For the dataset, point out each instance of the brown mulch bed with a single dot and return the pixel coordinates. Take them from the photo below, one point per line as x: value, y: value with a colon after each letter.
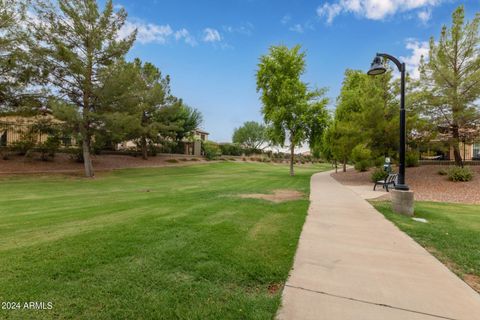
x: 427, y: 184
x: 63, y: 163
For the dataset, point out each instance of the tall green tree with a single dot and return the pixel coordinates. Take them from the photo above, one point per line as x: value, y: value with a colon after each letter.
x: 287, y: 101
x: 450, y: 79
x: 76, y: 41
x: 138, y: 93
x: 17, y: 71
x: 188, y: 119
x: 366, y: 114
x: 250, y: 135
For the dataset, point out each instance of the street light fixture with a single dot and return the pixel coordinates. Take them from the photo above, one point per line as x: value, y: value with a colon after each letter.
x: 377, y: 67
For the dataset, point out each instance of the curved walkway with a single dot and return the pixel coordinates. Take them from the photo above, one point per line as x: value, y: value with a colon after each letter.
x: 352, y: 263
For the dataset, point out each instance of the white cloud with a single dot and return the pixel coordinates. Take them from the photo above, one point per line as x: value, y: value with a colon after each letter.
x: 245, y: 29
x: 153, y: 33
x: 211, y: 35
x: 330, y: 11
x: 412, y: 62
x: 424, y: 15
x: 375, y: 9
x: 286, y: 19
x: 297, y: 28
x: 147, y: 32
x: 186, y: 36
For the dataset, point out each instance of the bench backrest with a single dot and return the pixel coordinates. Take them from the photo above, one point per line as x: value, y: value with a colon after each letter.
x: 392, y: 177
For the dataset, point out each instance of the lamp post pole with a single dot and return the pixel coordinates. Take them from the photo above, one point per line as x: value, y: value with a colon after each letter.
x: 377, y: 69
x: 403, y: 133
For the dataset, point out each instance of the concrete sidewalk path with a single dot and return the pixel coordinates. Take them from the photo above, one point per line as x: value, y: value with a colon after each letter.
x: 352, y: 263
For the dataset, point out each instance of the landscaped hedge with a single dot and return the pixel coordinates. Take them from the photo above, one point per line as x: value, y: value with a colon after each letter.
x: 211, y: 150
x: 378, y: 175
x: 231, y: 149
x: 458, y: 174
x: 361, y: 157
x: 412, y: 159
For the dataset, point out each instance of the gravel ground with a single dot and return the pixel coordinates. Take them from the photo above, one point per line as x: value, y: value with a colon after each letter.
x: 62, y: 163
x: 427, y: 184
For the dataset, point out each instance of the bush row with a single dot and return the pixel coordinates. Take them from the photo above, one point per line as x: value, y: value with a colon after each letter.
x: 363, y: 158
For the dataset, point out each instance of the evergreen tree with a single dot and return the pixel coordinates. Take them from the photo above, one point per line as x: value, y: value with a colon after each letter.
x: 17, y: 72
x: 138, y: 104
x: 76, y: 42
x: 450, y: 79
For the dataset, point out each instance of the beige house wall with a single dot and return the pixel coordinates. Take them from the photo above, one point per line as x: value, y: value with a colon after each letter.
x: 16, y: 127
x: 466, y: 151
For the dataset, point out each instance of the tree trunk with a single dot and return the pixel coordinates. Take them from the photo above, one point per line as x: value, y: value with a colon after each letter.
x: 292, y: 159
x: 144, y: 149
x: 456, y: 147
x: 457, y: 155
x: 87, y: 161
x: 344, y: 165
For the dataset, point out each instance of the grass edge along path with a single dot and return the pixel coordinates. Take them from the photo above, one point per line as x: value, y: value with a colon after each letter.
x: 451, y: 234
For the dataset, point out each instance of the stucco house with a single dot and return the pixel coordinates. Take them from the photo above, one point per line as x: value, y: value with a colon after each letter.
x: 14, y: 128
x: 468, y: 151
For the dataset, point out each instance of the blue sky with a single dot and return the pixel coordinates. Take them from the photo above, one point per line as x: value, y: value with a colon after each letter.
x: 210, y: 48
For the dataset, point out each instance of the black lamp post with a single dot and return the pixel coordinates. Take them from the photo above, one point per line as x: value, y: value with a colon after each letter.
x: 378, y: 68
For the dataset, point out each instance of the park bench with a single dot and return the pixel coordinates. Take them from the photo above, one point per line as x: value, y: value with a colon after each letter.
x: 390, y: 180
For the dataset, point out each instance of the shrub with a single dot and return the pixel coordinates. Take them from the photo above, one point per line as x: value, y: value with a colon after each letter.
x: 378, y: 174
x: 443, y: 172
x: 5, y: 154
x: 251, y: 151
x: 411, y: 159
x: 21, y: 147
x: 172, y: 161
x: 361, y: 157
x: 76, y: 154
x: 458, y: 174
x: 48, y: 148
x: 211, y: 150
x: 379, y: 162
x: 231, y: 149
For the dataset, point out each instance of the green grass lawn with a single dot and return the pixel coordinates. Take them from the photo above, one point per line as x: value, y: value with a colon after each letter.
x: 452, y: 233
x: 164, y: 243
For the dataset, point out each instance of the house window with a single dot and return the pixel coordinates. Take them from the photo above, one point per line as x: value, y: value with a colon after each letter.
x: 3, y: 139
x: 476, y: 150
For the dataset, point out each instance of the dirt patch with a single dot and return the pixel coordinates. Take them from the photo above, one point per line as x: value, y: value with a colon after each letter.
x: 427, y: 184
x: 278, y: 196
x: 473, y: 281
x: 273, y: 288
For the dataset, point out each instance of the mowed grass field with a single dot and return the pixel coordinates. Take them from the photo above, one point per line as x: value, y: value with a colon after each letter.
x: 158, y: 243
x: 452, y: 234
